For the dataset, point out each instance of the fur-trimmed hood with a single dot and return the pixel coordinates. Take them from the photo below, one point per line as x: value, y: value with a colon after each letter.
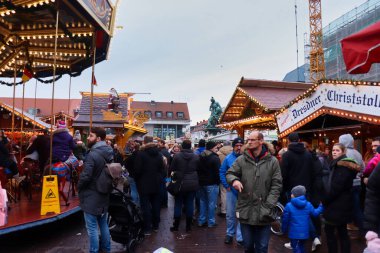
x: 151, y: 148
x: 270, y: 147
x: 349, y: 163
x: 61, y: 130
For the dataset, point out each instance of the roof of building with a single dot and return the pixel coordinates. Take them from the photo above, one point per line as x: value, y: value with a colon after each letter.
x: 254, y: 96
x: 163, y: 107
x: 44, y: 104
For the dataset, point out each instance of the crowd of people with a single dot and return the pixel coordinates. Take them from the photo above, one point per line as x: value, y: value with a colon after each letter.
x: 243, y: 180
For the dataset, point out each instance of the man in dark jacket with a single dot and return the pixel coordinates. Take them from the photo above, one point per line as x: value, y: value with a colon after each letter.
x: 299, y: 168
x: 166, y: 154
x: 149, y: 173
x: 208, y: 174
x: 185, y: 165
x: 42, y: 145
x: 93, y: 203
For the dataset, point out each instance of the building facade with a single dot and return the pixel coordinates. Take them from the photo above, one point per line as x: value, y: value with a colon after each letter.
x: 167, y: 120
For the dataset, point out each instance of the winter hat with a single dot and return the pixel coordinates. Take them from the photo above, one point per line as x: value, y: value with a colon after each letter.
x: 201, y: 143
x: 298, y: 190
x: 378, y: 149
x: 373, y: 242
x: 293, y: 137
x: 237, y: 140
x: 210, y: 145
x: 61, y: 124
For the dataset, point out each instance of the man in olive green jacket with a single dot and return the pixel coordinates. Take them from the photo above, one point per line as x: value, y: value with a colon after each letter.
x: 256, y: 175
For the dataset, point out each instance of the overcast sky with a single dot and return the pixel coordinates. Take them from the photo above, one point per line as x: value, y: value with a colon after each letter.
x: 188, y: 51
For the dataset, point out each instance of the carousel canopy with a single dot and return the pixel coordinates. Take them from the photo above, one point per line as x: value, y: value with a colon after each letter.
x: 27, y: 35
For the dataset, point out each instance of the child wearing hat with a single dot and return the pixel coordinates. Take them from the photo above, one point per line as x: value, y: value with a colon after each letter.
x: 296, y: 218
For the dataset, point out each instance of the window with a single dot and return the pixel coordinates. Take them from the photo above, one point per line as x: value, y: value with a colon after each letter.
x: 169, y: 114
x: 158, y: 114
x: 180, y: 115
x: 148, y: 113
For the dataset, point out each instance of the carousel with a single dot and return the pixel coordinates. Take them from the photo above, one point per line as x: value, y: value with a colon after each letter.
x: 42, y: 40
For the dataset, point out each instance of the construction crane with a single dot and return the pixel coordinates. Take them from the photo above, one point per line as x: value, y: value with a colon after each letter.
x: 317, y: 60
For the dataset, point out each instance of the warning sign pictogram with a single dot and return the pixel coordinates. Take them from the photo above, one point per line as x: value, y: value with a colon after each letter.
x: 50, y: 196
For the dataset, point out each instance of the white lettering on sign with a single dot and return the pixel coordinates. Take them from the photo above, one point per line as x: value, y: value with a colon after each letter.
x: 363, y: 99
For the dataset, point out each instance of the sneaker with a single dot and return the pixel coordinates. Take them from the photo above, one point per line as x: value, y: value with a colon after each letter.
x: 228, y: 239
x: 240, y: 243
x: 212, y: 225
x: 201, y: 225
x: 288, y: 245
x: 315, y: 244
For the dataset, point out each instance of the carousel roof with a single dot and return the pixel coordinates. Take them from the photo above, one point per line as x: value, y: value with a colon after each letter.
x: 27, y: 35
x: 27, y: 116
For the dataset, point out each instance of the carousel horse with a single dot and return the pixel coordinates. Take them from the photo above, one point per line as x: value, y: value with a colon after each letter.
x: 30, y: 168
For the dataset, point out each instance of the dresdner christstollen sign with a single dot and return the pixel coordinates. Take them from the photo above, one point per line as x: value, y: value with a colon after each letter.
x: 363, y: 99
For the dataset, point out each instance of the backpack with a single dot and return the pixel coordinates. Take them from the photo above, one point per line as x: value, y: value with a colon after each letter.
x: 108, y: 177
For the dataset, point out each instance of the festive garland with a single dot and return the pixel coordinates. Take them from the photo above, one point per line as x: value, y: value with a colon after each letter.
x: 44, y: 81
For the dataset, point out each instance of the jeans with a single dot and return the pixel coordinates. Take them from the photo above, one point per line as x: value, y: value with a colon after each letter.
x: 298, y: 245
x: 256, y: 238
x: 163, y: 193
x: 151, y: 207
x: 92, y: 224
x: 332, y: 241
x: 134, y: 193
x: 208, y: 195
x: 231, y: 219
x: 188, y: 200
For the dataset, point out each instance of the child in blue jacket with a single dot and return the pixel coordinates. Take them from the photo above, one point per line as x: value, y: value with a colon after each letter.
x: 296, y: 218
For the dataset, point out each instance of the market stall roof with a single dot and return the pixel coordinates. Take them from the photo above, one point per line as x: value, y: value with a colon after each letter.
x: 27, y: 116
x: 43, y: 105
x: 254, y: 98
x: 27, y: 35
x: 100, y: 114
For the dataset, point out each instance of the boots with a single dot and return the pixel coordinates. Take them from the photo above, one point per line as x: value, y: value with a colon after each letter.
x: 175, y: 224
x: 189, y: 220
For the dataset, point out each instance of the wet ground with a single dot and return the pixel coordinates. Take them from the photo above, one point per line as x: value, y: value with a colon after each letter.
x: 69, y: 236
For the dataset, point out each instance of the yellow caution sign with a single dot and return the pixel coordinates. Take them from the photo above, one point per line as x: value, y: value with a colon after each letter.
x: 50, y: 196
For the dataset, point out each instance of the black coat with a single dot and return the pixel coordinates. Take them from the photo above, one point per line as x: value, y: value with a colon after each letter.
x: 4, y: 155
x: 42, y: 145
x: 208, y: 172
x: 338, y: 203
x: 186, y: 164
x: 372, y: 202
x: 149, y: 169
x: 297, y: 168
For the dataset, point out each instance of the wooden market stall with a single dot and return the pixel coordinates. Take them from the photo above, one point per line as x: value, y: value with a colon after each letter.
x: 121, y: 123
x: 331, y: 108
x: 254, y: 103
x: 44, y: 40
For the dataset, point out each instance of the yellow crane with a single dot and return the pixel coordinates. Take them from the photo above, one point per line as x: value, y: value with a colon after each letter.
x: 317, y: 60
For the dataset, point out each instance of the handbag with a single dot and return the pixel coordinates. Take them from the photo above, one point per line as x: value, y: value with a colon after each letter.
x: 175, y: 184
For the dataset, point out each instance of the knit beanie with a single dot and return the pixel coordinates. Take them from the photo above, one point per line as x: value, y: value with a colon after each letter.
x: 61, y: 124
x: 202, y: 143
x: 293, y: 137
x: 210, y: 145
x: 237, y: 140
x: 298, y: 190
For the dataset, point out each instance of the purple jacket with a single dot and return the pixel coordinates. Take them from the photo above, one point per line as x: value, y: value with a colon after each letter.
x: 63, y: 145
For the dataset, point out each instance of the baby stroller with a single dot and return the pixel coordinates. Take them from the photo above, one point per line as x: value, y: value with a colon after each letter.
x: 125, y: 220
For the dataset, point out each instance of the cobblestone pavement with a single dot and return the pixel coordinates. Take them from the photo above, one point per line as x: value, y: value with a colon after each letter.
x: 69, y: 235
